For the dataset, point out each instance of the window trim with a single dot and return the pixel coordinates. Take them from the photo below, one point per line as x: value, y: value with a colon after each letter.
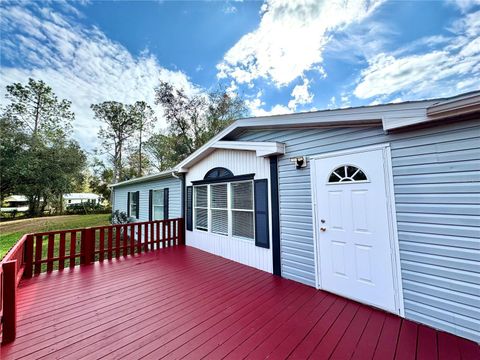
x: 237, y: 178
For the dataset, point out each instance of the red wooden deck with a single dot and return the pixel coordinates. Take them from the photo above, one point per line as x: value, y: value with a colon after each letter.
x: 185, y: 303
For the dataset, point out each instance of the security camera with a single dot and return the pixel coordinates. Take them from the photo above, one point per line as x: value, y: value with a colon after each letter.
x: 300, y: 161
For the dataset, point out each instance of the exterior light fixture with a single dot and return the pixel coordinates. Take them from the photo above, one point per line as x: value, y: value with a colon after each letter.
x: 300, y: 161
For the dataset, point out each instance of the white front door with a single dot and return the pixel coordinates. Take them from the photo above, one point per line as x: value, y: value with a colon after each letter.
x: 354, y: 247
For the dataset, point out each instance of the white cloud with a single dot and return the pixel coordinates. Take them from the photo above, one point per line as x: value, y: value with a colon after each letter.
x: 290, y: 39
x: 435, y: 72
x: 301, y: 95
x: 465, y: 5
x: 274, y: 110
x: 81, y: 64
x: 255, y: 107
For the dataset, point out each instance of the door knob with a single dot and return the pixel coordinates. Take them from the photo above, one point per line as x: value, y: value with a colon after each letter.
x: 323, y: 228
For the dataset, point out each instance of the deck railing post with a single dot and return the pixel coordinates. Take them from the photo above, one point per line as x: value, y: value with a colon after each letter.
x: 28, y: 257
x: 9, y: 318
x: 180, y: 232
x: 87, y: 246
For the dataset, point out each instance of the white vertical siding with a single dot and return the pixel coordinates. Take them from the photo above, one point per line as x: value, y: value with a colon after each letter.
x: 437, y: 193
x: 240, y: 250
x: 174, y: 185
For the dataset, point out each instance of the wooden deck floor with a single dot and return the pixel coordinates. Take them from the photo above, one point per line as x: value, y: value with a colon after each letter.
x: 185, y: 303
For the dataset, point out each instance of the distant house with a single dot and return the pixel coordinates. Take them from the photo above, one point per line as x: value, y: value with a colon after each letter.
x: 380, y: 204
x: 17, y: 203
x: 80, y: 198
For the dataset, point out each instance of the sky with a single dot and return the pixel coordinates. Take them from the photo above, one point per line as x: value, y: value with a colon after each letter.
x: 281, y: 56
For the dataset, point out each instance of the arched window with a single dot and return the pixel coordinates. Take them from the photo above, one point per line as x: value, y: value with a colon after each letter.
x: 218, y: 173
x: 347, y: 173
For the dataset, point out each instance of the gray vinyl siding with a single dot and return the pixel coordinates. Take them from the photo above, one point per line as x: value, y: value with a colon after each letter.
x: 436, y: 174
x: 174, y: 196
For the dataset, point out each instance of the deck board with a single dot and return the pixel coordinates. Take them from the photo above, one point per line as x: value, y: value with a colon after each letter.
x: 184, y: 303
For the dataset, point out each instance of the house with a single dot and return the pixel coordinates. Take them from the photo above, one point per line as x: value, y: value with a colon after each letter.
x: 151, y: 197
x: 380, y: 204
x: 80, y: 198
x: 15, y: 203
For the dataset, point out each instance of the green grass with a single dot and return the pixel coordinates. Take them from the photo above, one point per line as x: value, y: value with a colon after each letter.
x: 12, y: 231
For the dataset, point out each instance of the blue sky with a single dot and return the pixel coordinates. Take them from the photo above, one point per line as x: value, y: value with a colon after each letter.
x: 281, y: 55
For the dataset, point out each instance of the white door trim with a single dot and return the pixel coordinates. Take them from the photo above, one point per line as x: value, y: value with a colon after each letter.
x: 351, y: 151
x: 391, y: 213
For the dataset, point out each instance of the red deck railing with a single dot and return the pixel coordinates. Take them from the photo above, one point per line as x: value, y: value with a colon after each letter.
x: 57, y: 250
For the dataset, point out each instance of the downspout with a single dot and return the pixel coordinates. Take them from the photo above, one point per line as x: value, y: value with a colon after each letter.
x: 182, y: 200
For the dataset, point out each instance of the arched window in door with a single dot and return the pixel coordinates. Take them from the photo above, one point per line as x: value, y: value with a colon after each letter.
x: 347, y: 173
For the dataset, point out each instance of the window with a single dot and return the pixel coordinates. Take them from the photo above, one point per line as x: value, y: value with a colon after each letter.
x: 133, y: 199
x: 225, y: 209
x: 157, y: 204
x: 242, y: 210
x: 219, y: 208
x: 201, y: 207
x: 347, y: 173
x: 218, y: 172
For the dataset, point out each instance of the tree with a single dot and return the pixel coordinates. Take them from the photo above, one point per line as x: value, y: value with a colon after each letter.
x: 38, y: 158
x: 13, y: 143
x: 132, y: 164
x: 50, y: 172
x: 144, y: 119
x: 192, y: 120
x: 222, y: 110
x: 38, y: 111
x: 118, y: 127
x: 161, y: 148
x: 100, y: 179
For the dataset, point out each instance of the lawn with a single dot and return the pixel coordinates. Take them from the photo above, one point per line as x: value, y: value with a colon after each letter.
x: 12, y: 231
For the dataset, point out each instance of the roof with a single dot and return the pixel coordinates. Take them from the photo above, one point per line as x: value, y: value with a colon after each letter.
x: 83, y: 196
x: 159, y: 175
x: 17, y: 198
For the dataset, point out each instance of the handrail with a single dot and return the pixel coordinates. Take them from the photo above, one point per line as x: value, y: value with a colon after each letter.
x: 29, y: 257
x: 12, y: 268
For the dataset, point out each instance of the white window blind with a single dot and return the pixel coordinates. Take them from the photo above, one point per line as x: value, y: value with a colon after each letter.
x: 225, y: 209
x: 133, y: 204
x: 242, y: 209
x: 201, y: 207
x: 157, y: 203
x: 219, y: 208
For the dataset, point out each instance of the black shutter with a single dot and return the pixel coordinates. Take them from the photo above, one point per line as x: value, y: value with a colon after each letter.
x: 276, y: 257
x: 137, y: 200
x: 128, y: 204
x: 150, y: 205
x: 261, y: 214
x: 165, y: 203
x: 190, y: 208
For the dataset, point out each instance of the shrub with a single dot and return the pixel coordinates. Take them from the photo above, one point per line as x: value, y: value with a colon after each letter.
x: 120, y: 217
